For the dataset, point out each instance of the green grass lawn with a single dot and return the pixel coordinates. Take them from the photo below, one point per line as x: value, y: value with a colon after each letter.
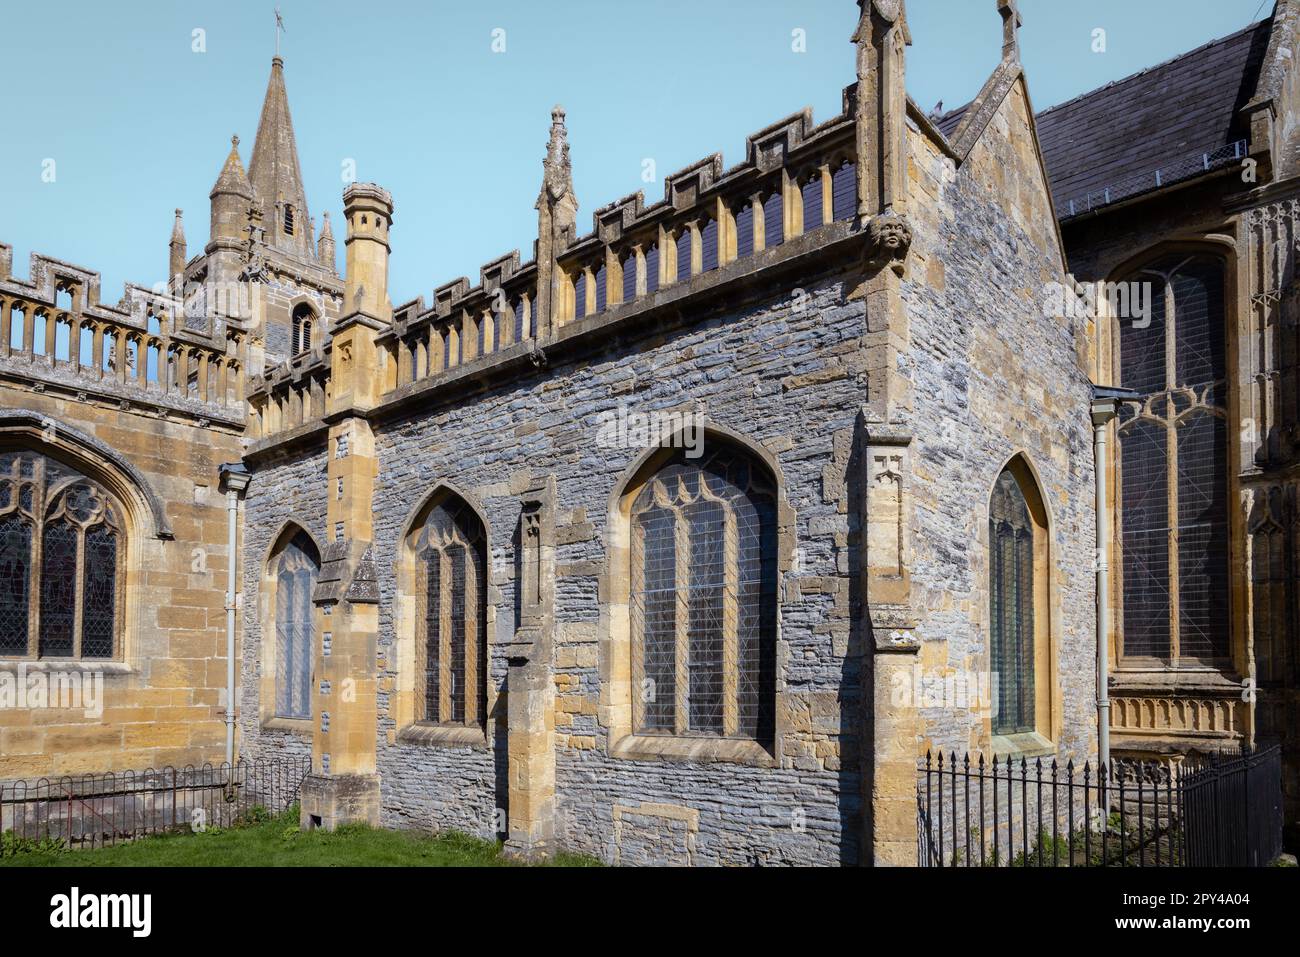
x: 277, y: 842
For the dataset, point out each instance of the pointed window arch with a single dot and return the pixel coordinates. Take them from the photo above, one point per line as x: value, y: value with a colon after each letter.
x: 304, y: 318
x: 1013, y: 614
x: 1173, y: 534
x: 450, y: 548
x: 295, y: 568
x: 62, y: 561
x: 703, y: 597
x: 1021, y: 647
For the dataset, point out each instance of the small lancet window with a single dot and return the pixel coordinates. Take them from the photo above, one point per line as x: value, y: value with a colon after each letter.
x: 303, y: 317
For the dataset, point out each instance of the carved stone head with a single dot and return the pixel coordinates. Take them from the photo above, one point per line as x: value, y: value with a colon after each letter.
x: 890, y: 239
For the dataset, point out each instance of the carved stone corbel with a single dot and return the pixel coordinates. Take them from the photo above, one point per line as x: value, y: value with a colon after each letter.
x: 889, y: 239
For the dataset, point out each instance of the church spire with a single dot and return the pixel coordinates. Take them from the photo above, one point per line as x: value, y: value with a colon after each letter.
x: 275, y: 173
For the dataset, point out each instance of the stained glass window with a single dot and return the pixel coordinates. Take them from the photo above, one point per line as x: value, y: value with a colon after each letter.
x: 61, y: 551
x: 296, y: 569
x: 1012, y: 592
x: 703, y: 599
x: 451, y: 557
x: 1173, y: 462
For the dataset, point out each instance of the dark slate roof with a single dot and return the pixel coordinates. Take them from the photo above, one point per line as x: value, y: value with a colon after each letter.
x: 1117, y: 136
x: 949, y: 122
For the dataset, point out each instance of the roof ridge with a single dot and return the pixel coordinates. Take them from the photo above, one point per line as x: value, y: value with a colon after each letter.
x: 1157, y: 66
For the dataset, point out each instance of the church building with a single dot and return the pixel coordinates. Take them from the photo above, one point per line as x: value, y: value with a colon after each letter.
x: 681, y: 536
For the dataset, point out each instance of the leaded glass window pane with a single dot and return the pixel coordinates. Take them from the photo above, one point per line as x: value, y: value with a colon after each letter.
x: 654, y: 612
x: 451, y: 549
x: 58, y: 590
x: 703, y: 599
x: 99, y: 600
x: 1173, y: 467
x: 1012, y: 591
x: 297, y: 570
x: 61, y: 549
x: 15, y: 583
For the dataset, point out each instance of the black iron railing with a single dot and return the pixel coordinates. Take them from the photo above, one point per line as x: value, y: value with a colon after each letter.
x: 93, y: 810
x: 1005, y: 812
x: 1233, y: 810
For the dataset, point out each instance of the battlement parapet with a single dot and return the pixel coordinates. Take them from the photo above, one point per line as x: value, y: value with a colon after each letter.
x: 797, y: 180
x: 55, y: 331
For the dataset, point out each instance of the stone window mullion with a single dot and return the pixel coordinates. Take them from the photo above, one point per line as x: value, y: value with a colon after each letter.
x: 421, y: 676
x: 444, y: 635
x: 38, y: 561
x: 730, y: 626
x: 1171, y: 471
x: 78, y: 590
x: 470, y: 657
x: 682, y: 646
x: 638, y: 629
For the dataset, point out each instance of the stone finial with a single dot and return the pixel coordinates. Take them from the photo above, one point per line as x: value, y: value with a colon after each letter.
x: 176, y: 249
x: 1011, y: 23
x: 890, y: 11
x: 558, y: 169
x: 325, y: 245
x: 881, y: 38
x: 233, y: 179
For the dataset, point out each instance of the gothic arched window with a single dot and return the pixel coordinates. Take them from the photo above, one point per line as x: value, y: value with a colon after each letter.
x: 1012, y: 594
x: 62, y: 561
x: 1173, y: 467
x: 296, y: 568
x: 303, y: 317
x: 703, y: 598
x: 451, y: 618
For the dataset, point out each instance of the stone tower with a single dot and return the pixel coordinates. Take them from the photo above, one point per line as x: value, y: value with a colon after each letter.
x: 271, y: 276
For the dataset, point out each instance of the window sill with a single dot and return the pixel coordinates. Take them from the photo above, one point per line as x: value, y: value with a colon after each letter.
x: 653, y: 747
x: 303, y: 726
x: 443, y: 736
x: 79, y: 666
x: 1137, y: 679
x: 1026, y: 744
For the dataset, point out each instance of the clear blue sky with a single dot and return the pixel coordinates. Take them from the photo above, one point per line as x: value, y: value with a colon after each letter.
x: 138, y: 123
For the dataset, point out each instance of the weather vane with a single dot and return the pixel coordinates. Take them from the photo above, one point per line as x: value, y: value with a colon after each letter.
x: 279, y: 28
